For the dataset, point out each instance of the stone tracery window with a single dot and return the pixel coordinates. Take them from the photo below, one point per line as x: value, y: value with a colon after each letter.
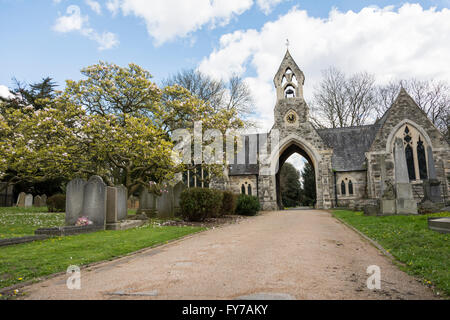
x: 415, y: 152
x: 197, y: 177
x: 346, y: 186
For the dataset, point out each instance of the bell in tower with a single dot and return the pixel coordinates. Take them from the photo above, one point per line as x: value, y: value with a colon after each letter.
x: 291, y: 108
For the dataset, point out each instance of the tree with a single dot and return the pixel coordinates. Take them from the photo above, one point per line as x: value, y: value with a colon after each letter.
x: 308, y: 190
x: 341, y: 101
x: 33, y: 94
x: 432, y: 96
x: 290, y: 185
x: 116, y: 123
x: 221, y: 95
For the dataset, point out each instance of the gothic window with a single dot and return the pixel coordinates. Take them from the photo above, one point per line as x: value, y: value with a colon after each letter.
x: 243, y: 189
x: 284, y: 81
x: 289, y: 92
x: 422, y: 160
x: 415, y: 152
x: 350, y: 187
x: 410, y: 162
x: 294, y: 80
x: 343, y: 188
x: 288, y: 71
x: 249, y: 188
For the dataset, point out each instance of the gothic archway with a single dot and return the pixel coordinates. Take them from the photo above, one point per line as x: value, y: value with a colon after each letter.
x: 284, y: 155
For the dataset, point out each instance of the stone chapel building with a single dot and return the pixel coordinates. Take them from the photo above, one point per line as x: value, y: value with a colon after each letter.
x: 351, y: 164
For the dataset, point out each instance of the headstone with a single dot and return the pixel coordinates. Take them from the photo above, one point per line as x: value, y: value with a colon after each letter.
x: 111, y: 205
x: 44, y: 200
x: 431, y: 186
x: 37, y: 202
x: 74, y: 200
x: 165, y: 203
x: 370, y: 210
x: 177, y: 189
x: 147, y: 203
x: 28, y: 201
x: 405, y: 202
x: 122, y: 195
x: 94, y: 202
x: 21, y: 199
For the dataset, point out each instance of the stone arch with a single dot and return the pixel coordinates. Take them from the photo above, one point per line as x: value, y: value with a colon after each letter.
x: 288, y: 146
x: 394, y: 131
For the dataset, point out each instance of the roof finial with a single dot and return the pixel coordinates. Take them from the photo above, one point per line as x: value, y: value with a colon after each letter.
x: 287, y: 44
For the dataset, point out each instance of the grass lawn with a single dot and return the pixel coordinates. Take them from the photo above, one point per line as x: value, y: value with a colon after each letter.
x: 28, y: 261
x: 425, y: 253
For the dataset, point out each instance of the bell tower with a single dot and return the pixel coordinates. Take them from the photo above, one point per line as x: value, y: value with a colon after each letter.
x: 291, y: 108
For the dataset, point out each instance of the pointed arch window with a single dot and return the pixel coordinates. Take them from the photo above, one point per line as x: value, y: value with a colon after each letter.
x: 350, y: 187
x: 249, y: 189
x: 343, y: 187
x: 421, y: 158
x: 415, y: 152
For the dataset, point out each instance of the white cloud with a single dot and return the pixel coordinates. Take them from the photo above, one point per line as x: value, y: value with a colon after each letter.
x: 75, y: 21
x: 267, y: 6
x: 95, y: 6
x: 390, y: 43
x: 168, y: 19
x: 5, y: 93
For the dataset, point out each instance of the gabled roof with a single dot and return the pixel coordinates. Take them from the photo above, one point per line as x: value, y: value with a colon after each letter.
x: 288, y: 62
x: 349, y: 145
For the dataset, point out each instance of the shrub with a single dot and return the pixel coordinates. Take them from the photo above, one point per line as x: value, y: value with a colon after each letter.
x: 56, y: 203
x: 247, y: 205
x: 229, y: 203
x: 198, y: 204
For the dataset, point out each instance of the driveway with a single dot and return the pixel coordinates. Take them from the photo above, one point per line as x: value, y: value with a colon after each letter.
x: 293, y: 254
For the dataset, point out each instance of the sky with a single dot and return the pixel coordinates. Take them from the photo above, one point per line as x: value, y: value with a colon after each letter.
x: 391, y: 39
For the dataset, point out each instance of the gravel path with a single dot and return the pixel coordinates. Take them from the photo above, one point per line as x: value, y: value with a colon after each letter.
x: 295, y: 254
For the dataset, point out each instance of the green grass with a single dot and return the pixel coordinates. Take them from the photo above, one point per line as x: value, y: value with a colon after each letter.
x: 28, y: 261
x: 424, y: 252
x: 19, y: 222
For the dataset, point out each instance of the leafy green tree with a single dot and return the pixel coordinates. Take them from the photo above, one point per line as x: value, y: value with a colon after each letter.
x: 290, y: 185
x: 115, y: 123
x: 308, y: 190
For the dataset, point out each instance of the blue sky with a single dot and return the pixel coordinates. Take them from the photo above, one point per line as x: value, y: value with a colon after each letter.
x: 390, y: 39
x: 32, y: 49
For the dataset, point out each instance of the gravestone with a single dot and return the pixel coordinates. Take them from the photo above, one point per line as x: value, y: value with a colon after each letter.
x: 404, y: 203
x: 28, y: 201
x: 111, y: 205
x: 21, y: 199
x: 165, y: 204
x: 37, y: 202
x: 122, y: 210
x: 44, y: 200
x: 431, y: 186
x: 74, y: 200
x: 177, y: 189
x: 133, y: 202
x: 94, y: 201
x: 147, y: 203
x: 387, y: 203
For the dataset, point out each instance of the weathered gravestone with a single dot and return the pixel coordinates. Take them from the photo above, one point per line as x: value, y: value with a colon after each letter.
x: 74, y: 200
x: 111, y: 205
x: 177, y: 189
x: 44, y: 200
x: 122, y: 195
x: 37, y: 202
x: 387, y: 203
x: 431, y: 186
x: 147, y: 203
x: 28, y: 201
x: 94, y: 202
x: 404, y: 203
x: 21, y: 199
x: 165, y: 203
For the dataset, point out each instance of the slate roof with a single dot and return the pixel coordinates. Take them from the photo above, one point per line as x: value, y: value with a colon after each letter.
x: 349, y: 145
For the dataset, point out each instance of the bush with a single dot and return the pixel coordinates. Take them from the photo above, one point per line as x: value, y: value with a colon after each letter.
x: 56, y: 203
x: 198, y: 204
x: 229, y: 203
x: 247, y: 205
